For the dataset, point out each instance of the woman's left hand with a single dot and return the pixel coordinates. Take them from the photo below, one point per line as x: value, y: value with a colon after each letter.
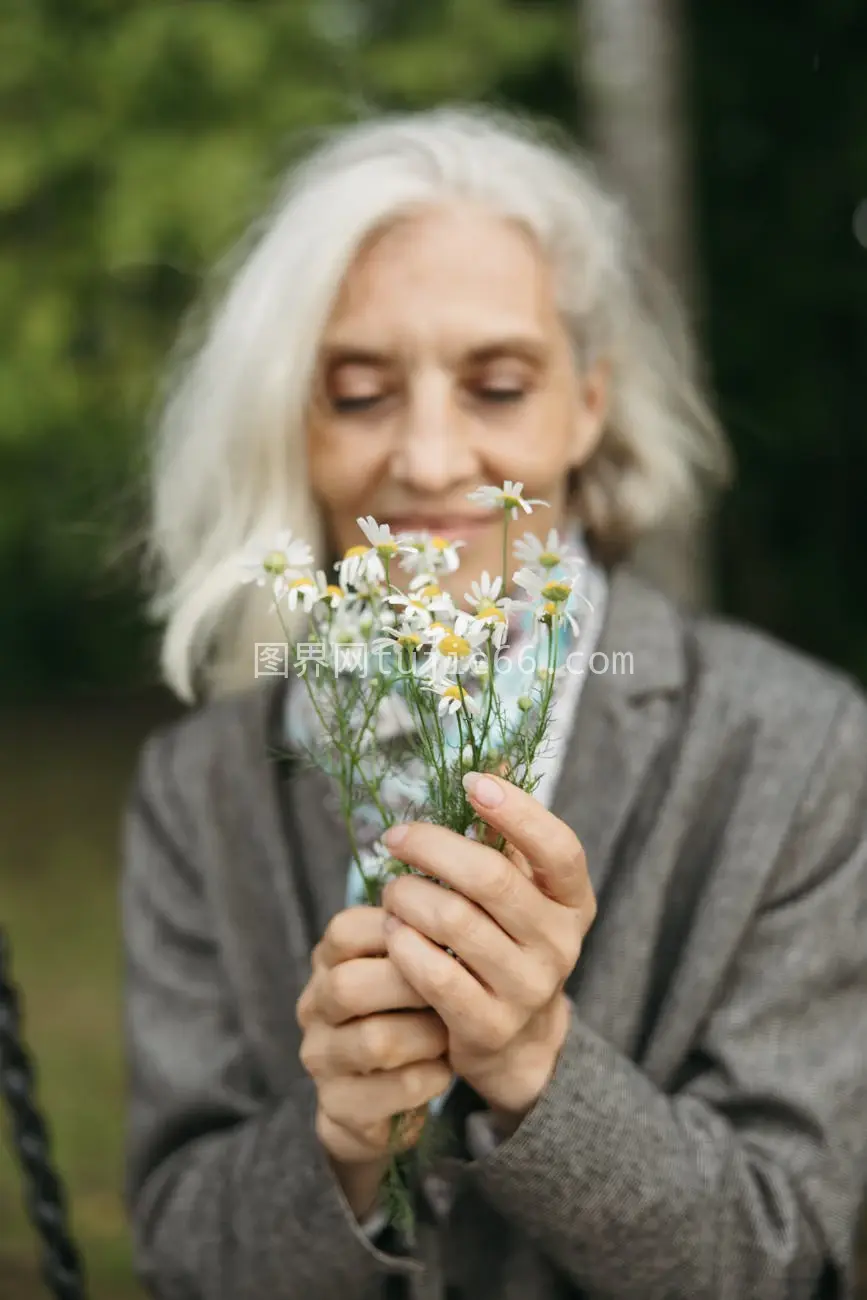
x: 515, y: 919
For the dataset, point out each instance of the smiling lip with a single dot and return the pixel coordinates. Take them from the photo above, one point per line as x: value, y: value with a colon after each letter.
x: 451, y: 527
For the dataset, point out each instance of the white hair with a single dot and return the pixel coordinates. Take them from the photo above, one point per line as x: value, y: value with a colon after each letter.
x: 229, y: 463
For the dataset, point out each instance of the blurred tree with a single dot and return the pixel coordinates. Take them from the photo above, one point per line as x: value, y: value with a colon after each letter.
x: 781, y: 117
x: 633, y: 75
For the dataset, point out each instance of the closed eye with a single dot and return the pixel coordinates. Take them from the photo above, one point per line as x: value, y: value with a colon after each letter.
x: 348, y: 405
x: 501, y: 395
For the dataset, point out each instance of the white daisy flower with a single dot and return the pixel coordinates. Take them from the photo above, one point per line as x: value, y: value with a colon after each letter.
x: 542, y: 587
x: 346, y: 627
x: 273, y: 564
x: 545, y: 615
x: 548, y: 555
x: 403, y: 635
x: 376, y: 863
x: 380, y: 537
x: 425, y: 553
x: 436, y: 630
x: 453, y: 697
x: 359, y: 565
x: 419, y: 611
x: 490, y: 609
x: 508, y: 497
x: 302, y: 591
x: 367, y: 564
x: 484, y: 592
x: 454, y: 651
x: 327, y: 591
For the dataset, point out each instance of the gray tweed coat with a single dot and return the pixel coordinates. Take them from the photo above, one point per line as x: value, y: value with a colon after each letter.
x: 704, y: 1135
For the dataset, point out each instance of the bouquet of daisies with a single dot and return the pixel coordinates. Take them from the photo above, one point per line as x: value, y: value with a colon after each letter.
x: 402, y: 689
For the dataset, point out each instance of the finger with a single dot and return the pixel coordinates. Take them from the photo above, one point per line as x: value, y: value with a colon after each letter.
x: 479, y: 873
x: 464, y: 1005
x: 364, y: 1101
x: 488, y: 835
x: 385, y: 1042
x: 549, y: 845
x: 362, y: 987
x: 354, y: 1146
x: 452, y: 921
x: 353, y: 932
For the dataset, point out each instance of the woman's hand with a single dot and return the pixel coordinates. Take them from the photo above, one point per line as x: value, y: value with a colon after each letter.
x: 359, y: 1016
x: 516, y: 920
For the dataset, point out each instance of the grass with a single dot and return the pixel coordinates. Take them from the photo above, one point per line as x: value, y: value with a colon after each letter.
x: 64, y: 774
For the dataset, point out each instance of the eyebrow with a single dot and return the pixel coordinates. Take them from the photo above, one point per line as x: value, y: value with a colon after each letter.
x: 530, y: 348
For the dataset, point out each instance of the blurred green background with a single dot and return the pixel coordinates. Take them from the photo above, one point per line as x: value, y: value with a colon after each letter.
x: 137, y: 141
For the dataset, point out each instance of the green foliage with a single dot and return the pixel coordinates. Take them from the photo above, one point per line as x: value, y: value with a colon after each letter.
x: 140, y: 138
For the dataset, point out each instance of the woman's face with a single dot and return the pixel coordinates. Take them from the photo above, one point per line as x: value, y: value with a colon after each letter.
x: 445, y: 366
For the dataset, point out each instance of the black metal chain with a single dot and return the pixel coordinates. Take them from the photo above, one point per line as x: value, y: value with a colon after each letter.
x: 62, y: 1269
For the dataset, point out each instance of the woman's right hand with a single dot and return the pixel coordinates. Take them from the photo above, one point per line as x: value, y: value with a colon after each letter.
x: 373, y: 1048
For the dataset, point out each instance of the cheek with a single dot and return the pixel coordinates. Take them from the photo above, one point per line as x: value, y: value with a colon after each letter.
x: 343, y: 469
x: 537, y: 452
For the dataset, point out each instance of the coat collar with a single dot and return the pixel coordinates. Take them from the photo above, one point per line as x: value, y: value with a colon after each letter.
x: 619, y: 725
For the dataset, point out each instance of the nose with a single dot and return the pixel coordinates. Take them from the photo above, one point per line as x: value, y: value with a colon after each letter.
x: 433, y: 448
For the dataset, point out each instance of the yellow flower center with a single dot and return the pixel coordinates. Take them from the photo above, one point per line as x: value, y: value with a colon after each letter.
x: 454, y: 646
x: 439, y: 543
x: 453, y: 693
x: 431, y: 590
x: 489, y: 610
x: 549, y: 560
x: 386, y: 549
x: 409, y: 640
x: 275, y: 562
x: 557, y: 591
x: 301, y: 582
x: 549, y: 611
x: 438, y: 627
x: 336, y: 592
x: 354, y: 552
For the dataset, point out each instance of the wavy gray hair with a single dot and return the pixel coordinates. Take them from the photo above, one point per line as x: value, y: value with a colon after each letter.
x: 229, y: 450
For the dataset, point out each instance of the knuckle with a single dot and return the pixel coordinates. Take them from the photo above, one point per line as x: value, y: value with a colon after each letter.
x: 453, y: 910
x: 502, y: 880
x: 420, y: 1084
x: 573, y: 854
x: 337, y: 933
x: 589, y: 910
x: 304, y: 1008
x: 441, y: 978
x: 377, y: 1044
x: 565, y: 953
x: 341, y: 988
x: 537, y: 985
x: 311, y: 1056
x: 495, y: 1034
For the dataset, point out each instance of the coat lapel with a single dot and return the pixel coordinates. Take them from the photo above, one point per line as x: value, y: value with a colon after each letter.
x: 621, y: 719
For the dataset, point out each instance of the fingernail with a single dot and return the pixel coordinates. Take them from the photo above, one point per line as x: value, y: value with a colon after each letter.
x: 392, y: 922
x: 483, y: 790
x: 393, y: 836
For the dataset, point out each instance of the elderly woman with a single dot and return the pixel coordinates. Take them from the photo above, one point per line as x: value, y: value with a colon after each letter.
x: 653, y: 1007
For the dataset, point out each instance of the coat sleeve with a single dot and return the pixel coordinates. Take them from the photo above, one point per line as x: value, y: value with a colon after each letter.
x: 230, y: 1192
x: 746, y: 1185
